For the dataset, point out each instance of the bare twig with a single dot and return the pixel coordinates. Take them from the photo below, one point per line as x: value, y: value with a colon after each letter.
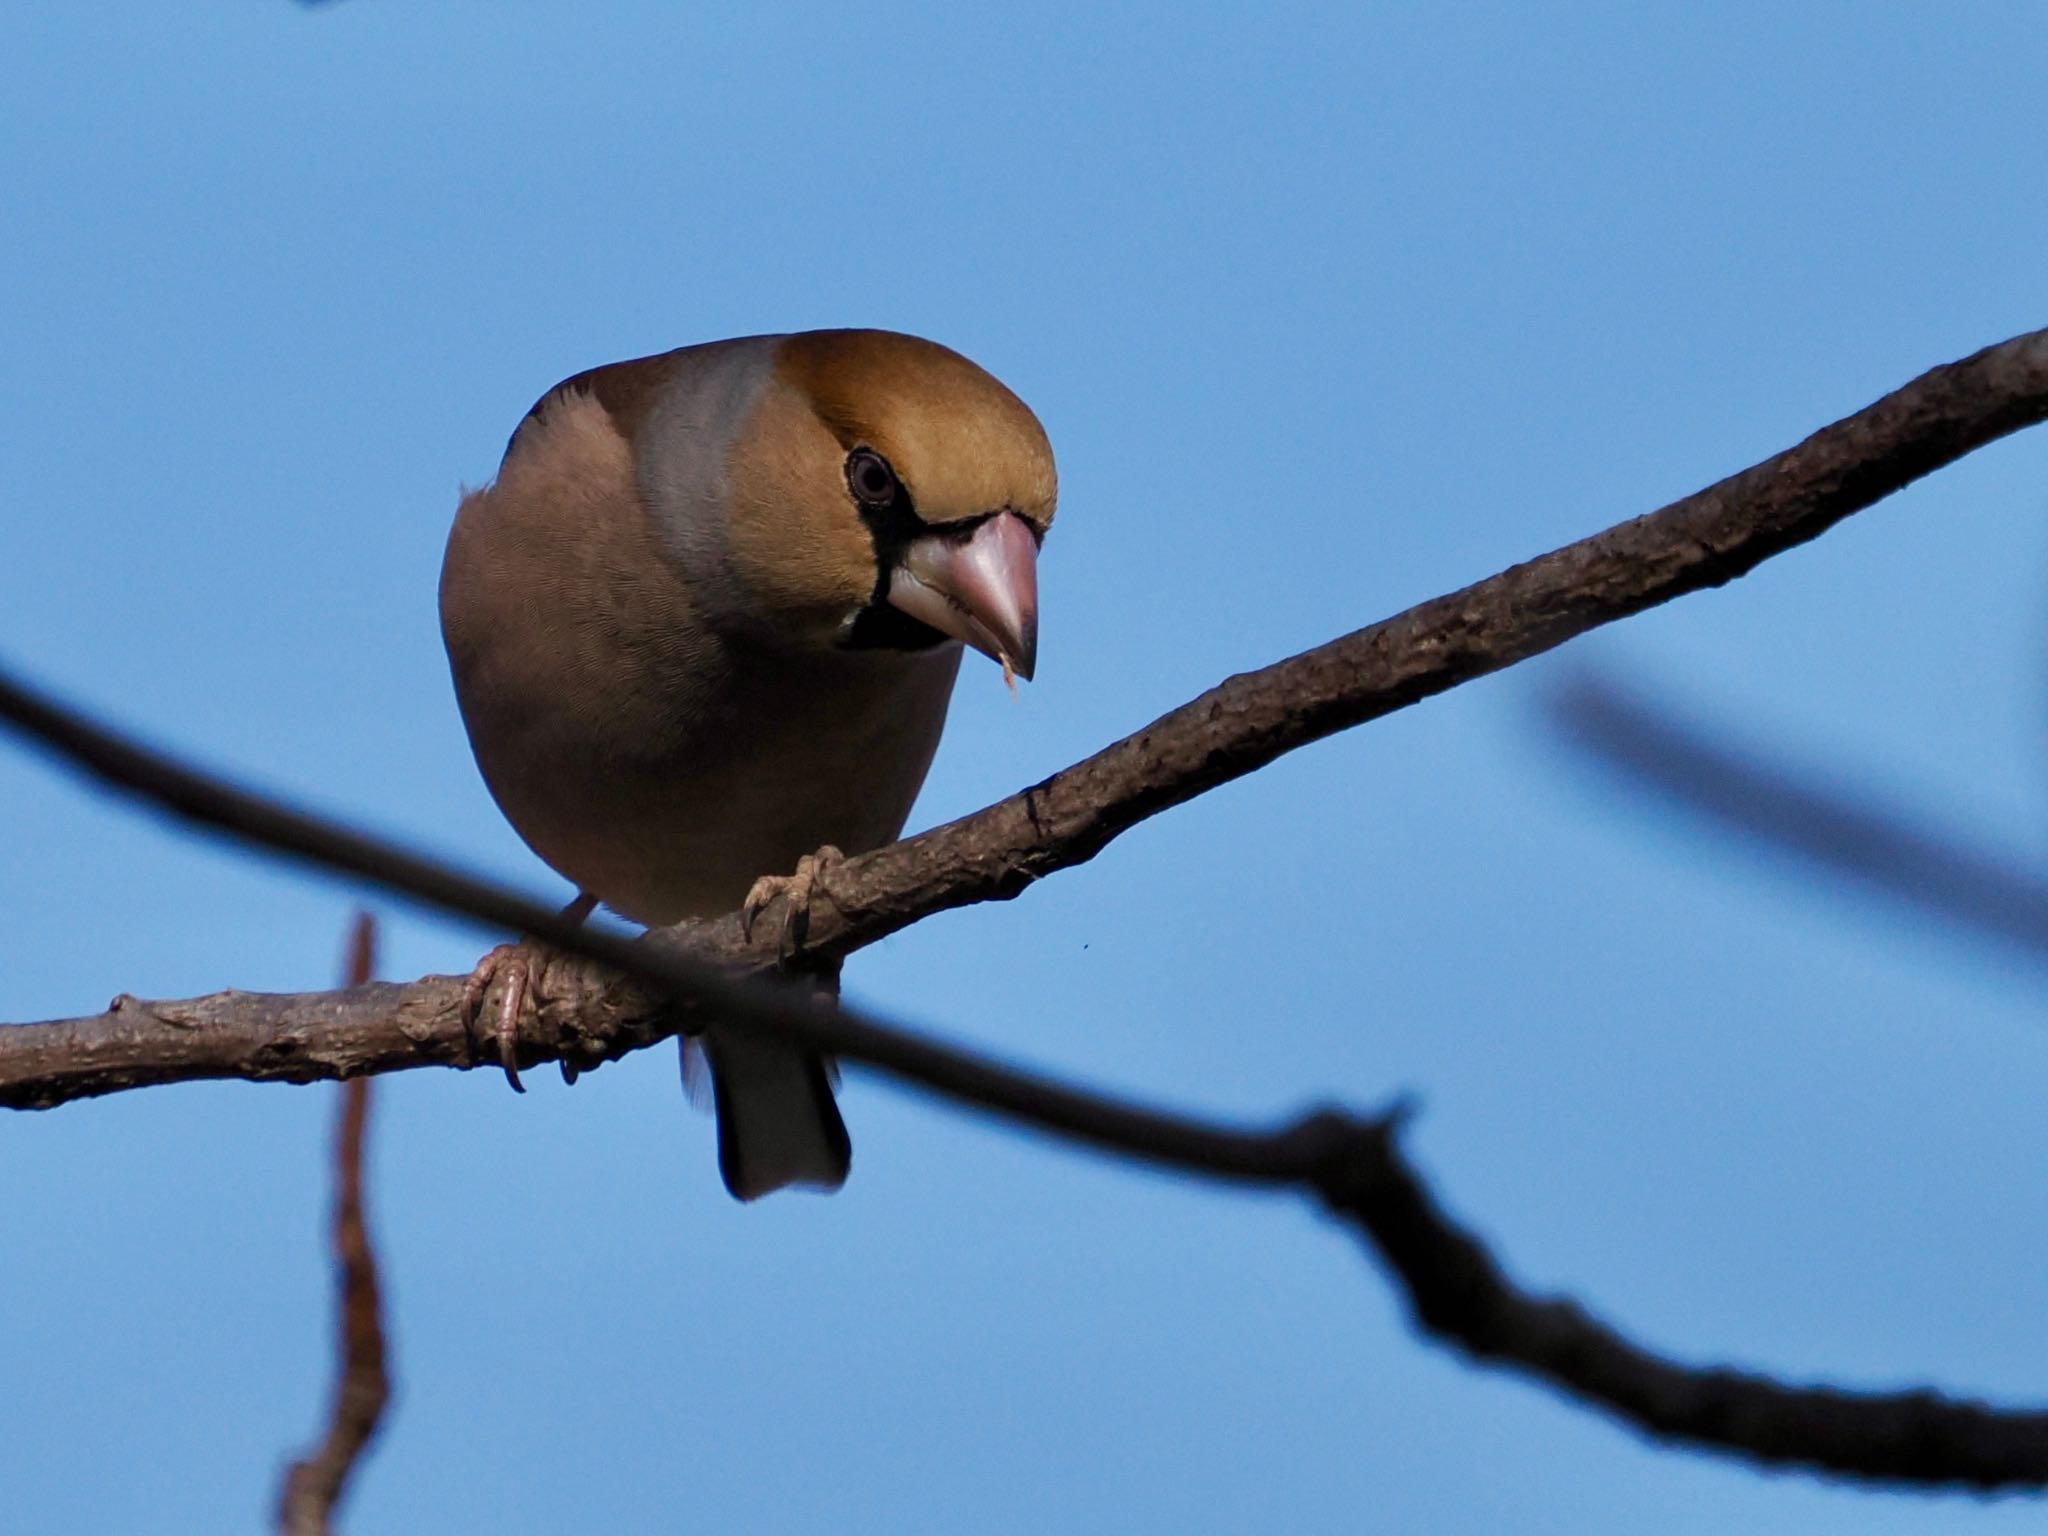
x: 1706, y: 539
x: 1773, y: 807
x: 1457, y: 1291
x: 314, y: 1485
x: 1455, y: 1287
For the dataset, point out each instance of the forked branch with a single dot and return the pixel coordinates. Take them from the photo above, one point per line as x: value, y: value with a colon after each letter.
x: 1456, y: 1289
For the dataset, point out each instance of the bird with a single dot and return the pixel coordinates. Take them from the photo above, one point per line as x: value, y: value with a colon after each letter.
x: 704, y: 626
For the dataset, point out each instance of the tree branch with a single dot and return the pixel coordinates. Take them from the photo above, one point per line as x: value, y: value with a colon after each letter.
x: 1704, y: 540
x: 1457, y: 1291
x: 1455, y: 1287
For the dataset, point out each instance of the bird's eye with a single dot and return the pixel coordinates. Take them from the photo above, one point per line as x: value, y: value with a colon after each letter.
x: 870, y: 478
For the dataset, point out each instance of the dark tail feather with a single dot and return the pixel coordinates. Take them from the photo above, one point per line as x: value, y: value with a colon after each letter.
x: 778, y: 1123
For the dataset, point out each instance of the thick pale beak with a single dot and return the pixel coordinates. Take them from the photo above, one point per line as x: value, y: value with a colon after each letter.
x: 982, y: 588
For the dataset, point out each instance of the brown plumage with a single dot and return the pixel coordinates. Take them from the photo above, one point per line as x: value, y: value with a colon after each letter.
x: 707, y: 619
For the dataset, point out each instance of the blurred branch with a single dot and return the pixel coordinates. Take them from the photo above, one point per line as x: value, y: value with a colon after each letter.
x: 313, y: 1486
x: 1455, y: 1288
x: 1881, y: 849
x: 1232, y: 730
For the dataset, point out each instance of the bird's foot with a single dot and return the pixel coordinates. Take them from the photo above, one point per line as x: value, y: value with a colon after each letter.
x: 800, y: 889
x: 517, y: 971
x: 513, y: 972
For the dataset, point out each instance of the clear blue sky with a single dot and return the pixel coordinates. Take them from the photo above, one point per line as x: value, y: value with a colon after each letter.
x: 1327, y: 309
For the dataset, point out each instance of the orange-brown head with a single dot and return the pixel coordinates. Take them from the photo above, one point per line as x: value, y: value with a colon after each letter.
x: 856, y: 489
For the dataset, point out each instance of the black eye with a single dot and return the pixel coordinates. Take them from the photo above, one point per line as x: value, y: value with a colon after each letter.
x: 870, y: 478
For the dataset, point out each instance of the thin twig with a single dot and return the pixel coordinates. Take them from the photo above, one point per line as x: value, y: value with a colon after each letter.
x: 313, y: 1486
x: 1457, y: 1291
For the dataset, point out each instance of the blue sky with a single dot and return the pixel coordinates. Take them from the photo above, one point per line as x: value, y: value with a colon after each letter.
x: 1327, y: 309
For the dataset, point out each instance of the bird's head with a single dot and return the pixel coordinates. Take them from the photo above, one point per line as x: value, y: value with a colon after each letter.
x: 855, y: 489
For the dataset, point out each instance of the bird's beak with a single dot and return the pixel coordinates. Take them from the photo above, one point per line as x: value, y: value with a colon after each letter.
x: 982, y: 588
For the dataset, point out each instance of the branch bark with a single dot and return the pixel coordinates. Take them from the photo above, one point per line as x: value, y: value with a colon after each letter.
x: 1456, y: 1289
x: 1702, y: 541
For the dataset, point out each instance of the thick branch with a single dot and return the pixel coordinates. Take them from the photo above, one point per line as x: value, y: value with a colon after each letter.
x: 1455, y: 1287
x: 1247, y: 721
x: 1241, y: 725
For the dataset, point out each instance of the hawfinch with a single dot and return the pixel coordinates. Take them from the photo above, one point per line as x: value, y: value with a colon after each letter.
x: 704, y: 626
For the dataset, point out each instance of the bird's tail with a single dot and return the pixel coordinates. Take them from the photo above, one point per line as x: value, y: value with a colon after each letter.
x: 778, y: 1123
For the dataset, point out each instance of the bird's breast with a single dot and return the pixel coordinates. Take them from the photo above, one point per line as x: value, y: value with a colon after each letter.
x: 718, y: 781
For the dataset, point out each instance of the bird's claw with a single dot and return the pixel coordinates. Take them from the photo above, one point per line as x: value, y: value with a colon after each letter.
x: 520, y: 967
x: 800, y: 888
x: 515, y: 970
